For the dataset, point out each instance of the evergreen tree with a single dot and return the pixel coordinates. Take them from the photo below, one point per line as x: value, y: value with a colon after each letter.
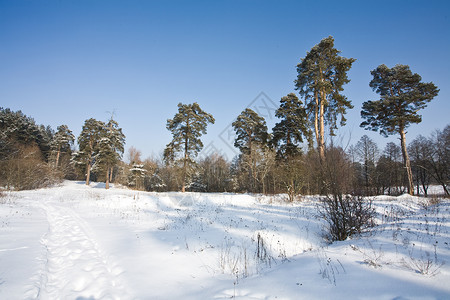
x: 61, y: 143
x: 251, y: 139
x: 110, y: 149
x: 187, y: 126
x: 322, y: 74
x: 24, y: 150
x: 286, y: 138
x: 288, y: 133
x: 250, y: 129
x: 136, y: 177
x: 402, y: 95
x: 88, y: 141
x: 18, y: 129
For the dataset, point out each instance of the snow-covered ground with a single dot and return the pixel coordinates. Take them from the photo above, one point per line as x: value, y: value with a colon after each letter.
x: 84, y: 242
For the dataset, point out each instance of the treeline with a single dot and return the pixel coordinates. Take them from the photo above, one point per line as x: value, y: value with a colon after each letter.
x: 362, y: 169
x: 34, y: 156
x: 294, y: 158
x: 27, y: 151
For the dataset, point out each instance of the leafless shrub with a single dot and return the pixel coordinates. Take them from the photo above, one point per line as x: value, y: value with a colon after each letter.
x: 26, y: 170
x: 345, y: 215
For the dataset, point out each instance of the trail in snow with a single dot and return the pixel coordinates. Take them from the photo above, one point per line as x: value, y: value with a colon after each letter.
x: 75, y: 266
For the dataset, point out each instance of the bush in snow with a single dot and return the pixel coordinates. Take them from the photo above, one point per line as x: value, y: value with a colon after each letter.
x: 345, y: 215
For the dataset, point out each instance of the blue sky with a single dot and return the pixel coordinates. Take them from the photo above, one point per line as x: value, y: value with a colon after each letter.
x: 62, y: 62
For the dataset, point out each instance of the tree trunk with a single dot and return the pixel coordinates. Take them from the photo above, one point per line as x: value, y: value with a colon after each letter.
x: 88, y: 172
x: 319, y: 126
x: 57, y: 157
x: 250, y: 164
x: 322, y: 127
x: 183, y: 187
x: 111, y: 174
x: 107, y: 178
x: 407, y: 162
x: 88, y: 169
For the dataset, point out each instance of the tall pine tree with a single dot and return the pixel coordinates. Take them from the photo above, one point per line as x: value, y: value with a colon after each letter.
x: 402, y: 95
x: 286, y: 138
x: 252, y: 140
x: 187, y: 126
x: 322, y: 74
x: 88, y: 140
x: 61, y: 143
x: 110, y: 149
x: 250, y: 129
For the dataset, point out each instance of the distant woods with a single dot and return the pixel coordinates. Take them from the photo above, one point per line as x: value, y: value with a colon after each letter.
x: 294, y: 157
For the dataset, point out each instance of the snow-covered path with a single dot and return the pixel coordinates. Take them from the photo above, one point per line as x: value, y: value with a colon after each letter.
x: 75, y: 265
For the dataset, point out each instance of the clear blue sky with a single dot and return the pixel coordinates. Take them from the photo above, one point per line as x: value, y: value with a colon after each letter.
x: 62, y: 62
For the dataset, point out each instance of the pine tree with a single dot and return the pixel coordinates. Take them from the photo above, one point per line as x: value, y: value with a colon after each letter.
x: 250, y: 129
x: 321, y: 76
x: 289, y: 132
x: 18, y: 129
x: 402, y: 95
x: 88, y: 140
x: 187, y: 126
x: 61, y: 143
x: 24, y: 151
x: 251, y: 138
x: 110, y: 149
x: 137, y: 175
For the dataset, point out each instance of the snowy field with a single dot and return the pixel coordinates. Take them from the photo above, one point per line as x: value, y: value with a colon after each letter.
x: 84, y: 242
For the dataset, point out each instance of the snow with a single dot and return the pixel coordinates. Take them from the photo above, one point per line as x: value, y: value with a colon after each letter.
x: 83, y: 242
